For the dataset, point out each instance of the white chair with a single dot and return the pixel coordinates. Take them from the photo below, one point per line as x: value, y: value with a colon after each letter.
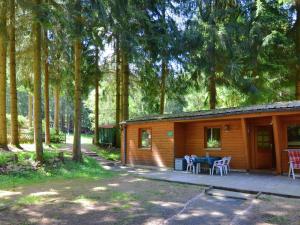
x: 197, y: 168
x: 226, y: 164
x: 218, y: 164
x: 189, y: 163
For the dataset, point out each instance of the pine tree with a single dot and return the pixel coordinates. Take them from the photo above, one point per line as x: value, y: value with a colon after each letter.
x: 77, y: 156
x: 3, y: 51
x: 13, y: 83
x: 46, y: 89
x: 37, y: 43
x: 96, y: 135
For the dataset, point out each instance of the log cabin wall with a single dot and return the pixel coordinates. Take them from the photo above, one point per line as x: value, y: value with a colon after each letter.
x: 179, y: 140
x: 160, y: 154
x: 232, y: 143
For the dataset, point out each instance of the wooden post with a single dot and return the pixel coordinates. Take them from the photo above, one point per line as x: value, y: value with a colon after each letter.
x: 276, y: 133
x: 246, y: 143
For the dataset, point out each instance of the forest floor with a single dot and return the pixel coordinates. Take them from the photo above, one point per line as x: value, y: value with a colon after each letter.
x: 125, y: 199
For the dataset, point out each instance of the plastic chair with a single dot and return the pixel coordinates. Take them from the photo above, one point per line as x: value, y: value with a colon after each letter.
x: 197, y: 168
x: 226, y: 164
x: 219, y: 164
x: 189, y: 163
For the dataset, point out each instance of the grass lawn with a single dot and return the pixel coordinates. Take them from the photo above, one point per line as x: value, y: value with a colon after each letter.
x: 276, y: 210
x: 85, y: 139
x: 105, y: 153
x: 67, y: 170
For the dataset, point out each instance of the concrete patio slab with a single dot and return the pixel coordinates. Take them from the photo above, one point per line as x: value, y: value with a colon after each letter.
x: 209, y: 210
x: 244, y: 182
x: 235, y: 181
x: 231, y: 194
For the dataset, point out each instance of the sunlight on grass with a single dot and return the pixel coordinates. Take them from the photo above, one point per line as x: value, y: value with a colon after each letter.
x: 85, y: 139
x: 45, y: 193
x: 84, y: 200
x: 99, y: 189
x: 89, y: 168
x: 30, y: 200
x: 105, y: 153
x: 121, y: 196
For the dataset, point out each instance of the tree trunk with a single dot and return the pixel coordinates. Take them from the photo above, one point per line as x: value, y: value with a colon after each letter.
x: 13, y: 84
x: 212, y: 70
x: 164, y: 74
x: 3, y: 49
x: 63, y: 116
x: 212, y: 91
x: 117, y: 52
x: 56, y: 108
x: 46, y: 90
x: 121, y: 85
x: 30, y: 113
x: 68, y: 121
x: 125, y: 84
x: 77, y: 104
x: 96, y: 135
x: 297, y: 44
x: 37, y: 43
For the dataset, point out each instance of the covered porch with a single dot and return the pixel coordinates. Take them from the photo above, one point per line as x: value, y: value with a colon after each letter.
x: 255, y: 143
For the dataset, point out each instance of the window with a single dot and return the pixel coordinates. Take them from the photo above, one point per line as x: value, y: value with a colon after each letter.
x: 213, y: 137
x: 264, y: 139
x: 145, y: 138
x: 293, y: 133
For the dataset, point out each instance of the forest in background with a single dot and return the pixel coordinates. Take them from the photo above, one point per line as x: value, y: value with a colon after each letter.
x: 76, y: 63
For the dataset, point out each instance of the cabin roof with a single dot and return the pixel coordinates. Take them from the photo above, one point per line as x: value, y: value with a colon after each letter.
x: 264, y: 108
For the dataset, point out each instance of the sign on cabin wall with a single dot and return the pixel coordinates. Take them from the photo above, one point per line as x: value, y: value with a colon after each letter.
x: 170, y: 133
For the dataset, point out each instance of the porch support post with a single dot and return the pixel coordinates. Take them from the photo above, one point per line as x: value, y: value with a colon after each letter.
x: 245, y: 140
x: 276, y: 133
x: 124, y: 144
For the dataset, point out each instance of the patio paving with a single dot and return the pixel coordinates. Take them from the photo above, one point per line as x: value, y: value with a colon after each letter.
x: 245, y: 182
x: 235, y: 181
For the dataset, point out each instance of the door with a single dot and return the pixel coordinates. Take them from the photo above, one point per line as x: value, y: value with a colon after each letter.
x: 264, y: 148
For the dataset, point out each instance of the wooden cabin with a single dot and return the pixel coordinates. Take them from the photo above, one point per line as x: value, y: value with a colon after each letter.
x: 256, y: 136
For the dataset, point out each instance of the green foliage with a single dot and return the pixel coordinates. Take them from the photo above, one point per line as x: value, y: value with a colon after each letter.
x: 247, y: 47
x: 22, y: 120
x: 109, y: 154
x: 89, y: 168
x: 57, y: 138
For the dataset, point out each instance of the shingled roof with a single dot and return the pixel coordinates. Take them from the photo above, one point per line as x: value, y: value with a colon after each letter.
x: 272, y: 107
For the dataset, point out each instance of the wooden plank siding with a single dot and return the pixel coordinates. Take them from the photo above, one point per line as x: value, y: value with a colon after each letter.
x: 189, y: 138
x: 232, y: 142
x: 179, y: 140
x: 245, y: 132
x: 161, y: 153
x: 277, y: 135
